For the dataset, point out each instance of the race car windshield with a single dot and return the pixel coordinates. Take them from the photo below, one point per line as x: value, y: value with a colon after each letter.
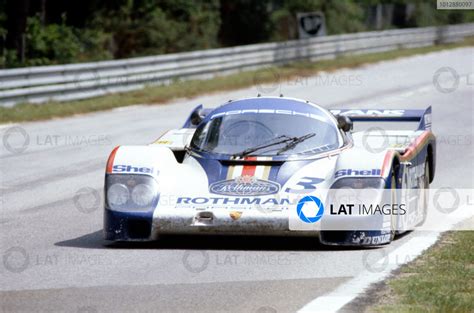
x: 235, y: 133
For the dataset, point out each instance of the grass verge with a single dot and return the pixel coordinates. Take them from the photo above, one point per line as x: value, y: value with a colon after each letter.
x: 441, y: 280
x: 185, y: 89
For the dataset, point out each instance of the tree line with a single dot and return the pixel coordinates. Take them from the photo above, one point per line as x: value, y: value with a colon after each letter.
x: 43, y: 32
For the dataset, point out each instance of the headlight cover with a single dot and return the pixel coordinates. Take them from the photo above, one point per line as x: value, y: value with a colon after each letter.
x: 117, y: 194
x: 358, y: 190
x: 143, y: 194
x: 129, y: 192
x: 359, y: 183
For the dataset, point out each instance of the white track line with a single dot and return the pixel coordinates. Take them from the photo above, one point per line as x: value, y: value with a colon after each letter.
x: 347, y: 292
x: 407, y: 252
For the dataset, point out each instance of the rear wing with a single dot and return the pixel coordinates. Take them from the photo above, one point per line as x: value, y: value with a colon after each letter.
x: 375, y: 115
x: 196, y: 116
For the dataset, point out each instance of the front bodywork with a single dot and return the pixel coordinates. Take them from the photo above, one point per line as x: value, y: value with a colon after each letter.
x: 199, y: 193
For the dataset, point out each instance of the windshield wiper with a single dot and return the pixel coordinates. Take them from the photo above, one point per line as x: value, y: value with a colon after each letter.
x: 294, y: 141
x: 273, y: 143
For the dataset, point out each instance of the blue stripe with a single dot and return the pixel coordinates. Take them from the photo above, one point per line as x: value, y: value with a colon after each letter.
x: 214, y: 169
x: 281, y: 174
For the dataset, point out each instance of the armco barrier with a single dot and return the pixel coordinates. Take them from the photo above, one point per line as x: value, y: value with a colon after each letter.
x: 86, y: 80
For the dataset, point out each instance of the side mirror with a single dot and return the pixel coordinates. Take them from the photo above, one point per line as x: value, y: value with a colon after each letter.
x: 344, y: 123
x: 196, y: 118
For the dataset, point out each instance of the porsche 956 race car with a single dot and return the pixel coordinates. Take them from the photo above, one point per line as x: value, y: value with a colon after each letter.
x: 248, y: 167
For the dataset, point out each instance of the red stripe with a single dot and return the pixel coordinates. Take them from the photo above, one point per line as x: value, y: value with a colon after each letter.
x: 386, y: 162
x: 249, y: 169
x: 408, y: 154
x: 110, y: 161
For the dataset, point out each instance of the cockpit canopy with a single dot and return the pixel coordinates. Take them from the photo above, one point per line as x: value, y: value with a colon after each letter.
x: 271, y: 122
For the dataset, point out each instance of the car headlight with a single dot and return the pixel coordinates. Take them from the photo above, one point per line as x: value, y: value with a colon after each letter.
x: 359, y: 183
x: 355, y: 190
x: 118, y: 194
x: 129, y: 192
x: 142, y: 194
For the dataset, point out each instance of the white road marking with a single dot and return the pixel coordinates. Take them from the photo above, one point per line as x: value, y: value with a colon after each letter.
x: 128, y: 108
x: 345, y: 293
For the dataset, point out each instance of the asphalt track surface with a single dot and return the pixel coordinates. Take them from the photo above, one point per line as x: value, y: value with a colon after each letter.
x: 53, y: 255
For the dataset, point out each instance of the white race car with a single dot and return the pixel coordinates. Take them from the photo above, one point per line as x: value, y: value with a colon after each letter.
x: 250, y: 166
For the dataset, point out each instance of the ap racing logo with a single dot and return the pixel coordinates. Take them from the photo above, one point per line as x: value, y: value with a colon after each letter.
x: 314, y: 206
x: 244, y: 186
